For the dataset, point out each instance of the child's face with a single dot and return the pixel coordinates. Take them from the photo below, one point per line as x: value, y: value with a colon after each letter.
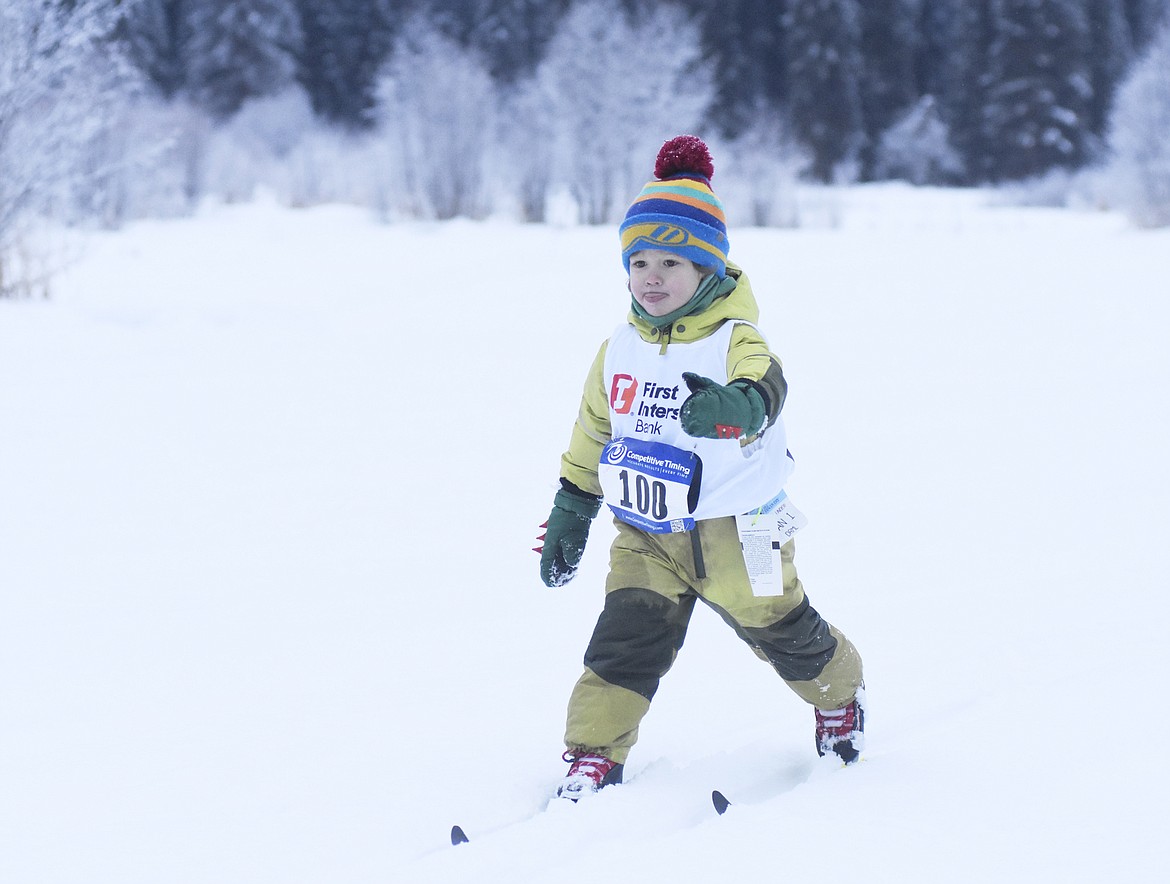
x: 662, y: 281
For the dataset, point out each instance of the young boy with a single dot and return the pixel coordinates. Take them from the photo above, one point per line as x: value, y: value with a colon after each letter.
x: 679, y: 432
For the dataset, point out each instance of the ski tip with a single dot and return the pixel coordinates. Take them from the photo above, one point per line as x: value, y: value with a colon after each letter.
x: 721, y: 803
x: 457, y: 836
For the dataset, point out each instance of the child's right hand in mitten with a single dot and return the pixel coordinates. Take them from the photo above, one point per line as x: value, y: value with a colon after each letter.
x: 721, y: 411
x: 566, y: 532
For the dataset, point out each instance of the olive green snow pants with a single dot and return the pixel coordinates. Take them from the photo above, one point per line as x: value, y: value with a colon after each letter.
x: 653, y: 582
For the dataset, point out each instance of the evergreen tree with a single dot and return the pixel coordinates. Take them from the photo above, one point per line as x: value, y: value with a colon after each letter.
x: 513, y: 35
x: 824, y: 69
x: 1014, y: 86
x: 1110, y: 55
x: 934, y: 34
x: 345, y: 43
x: 509, y: 36
x: 887, y: 85
x: 156, y: 36
x: 1038, y: 102
x: 241, y: 49
x: 744, y: 40
x: 1145, y: 17
x: 963, y: 81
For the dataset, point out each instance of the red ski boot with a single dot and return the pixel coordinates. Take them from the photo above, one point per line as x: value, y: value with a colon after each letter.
x: 842, y: 731
x: 587, y: 774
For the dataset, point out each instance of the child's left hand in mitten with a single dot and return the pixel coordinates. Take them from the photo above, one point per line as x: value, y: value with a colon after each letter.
x: 721, y: 411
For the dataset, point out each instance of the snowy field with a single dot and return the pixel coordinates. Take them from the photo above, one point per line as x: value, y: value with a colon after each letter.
x: 269, y: 483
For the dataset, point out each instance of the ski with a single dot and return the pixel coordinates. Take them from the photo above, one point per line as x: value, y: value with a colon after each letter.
x: 458, y: 836
x: 721, y: 803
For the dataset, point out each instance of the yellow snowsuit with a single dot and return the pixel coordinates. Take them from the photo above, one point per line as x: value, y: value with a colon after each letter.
x: 654, y: 580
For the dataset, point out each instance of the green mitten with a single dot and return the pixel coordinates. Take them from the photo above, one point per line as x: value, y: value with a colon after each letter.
x: 718, y: 411
x: 567, y: 529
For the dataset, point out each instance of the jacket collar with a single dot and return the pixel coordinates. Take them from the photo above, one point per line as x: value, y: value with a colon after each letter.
x: 739, y: 303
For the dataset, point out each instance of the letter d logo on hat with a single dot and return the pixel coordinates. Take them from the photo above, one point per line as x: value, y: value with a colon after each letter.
x: 669, y: 235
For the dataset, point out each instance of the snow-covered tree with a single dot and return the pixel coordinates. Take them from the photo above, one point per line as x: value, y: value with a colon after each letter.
x: 1140, y: 135
x: 824, y: 69
x: 56, y: 82
x: 1110, y: 56
x: 887, y: 86
x: 759, y: 170
x: 345, y: 44
x: 642, y: 80
x: 745, y: 41
x: 510, y: 36
x: 1037, y: 105
x: 917, y: 148
x: 251, y: 150
x: 156, y: 36
x: 241, y: 49
x: 956, y: 74
x: 436, y: 105
x: 524, y: 160
x: 934, y: 36
x: 1145, y: 19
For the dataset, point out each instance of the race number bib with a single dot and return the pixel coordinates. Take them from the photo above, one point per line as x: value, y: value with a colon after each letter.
x: 651, y: 485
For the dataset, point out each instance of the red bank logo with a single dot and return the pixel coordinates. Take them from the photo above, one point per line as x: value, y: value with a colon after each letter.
x: 622, y: 393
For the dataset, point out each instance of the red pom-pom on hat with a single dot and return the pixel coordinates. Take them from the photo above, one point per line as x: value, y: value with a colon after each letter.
x: 684, y: 155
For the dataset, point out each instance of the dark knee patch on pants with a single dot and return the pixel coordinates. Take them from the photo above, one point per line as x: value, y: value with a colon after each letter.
x: 636, y: 639
x: 799, y: 646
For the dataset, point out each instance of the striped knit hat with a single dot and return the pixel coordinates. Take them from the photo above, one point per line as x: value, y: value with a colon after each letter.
x: 679, y: 212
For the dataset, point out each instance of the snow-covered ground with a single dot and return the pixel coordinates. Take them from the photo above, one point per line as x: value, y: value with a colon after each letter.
x: 269, y: 483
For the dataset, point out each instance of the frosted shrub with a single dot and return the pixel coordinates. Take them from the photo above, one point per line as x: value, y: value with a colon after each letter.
x: 523, y: 158
x: 759, y: 171
x: 1140, y: 136
x: 917, y: 148
x: 331, y: 165
x: 619, y: 101
x: 252, y: 148
x: 128, y: 166
x: 436, y: 108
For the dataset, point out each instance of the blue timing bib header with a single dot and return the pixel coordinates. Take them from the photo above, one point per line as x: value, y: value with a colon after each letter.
x: 651, y: 485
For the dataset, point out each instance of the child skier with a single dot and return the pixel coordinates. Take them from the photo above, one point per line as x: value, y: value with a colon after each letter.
x: 679, y: 432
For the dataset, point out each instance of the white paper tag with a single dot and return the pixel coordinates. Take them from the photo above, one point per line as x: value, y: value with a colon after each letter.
x: 761, y: 534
